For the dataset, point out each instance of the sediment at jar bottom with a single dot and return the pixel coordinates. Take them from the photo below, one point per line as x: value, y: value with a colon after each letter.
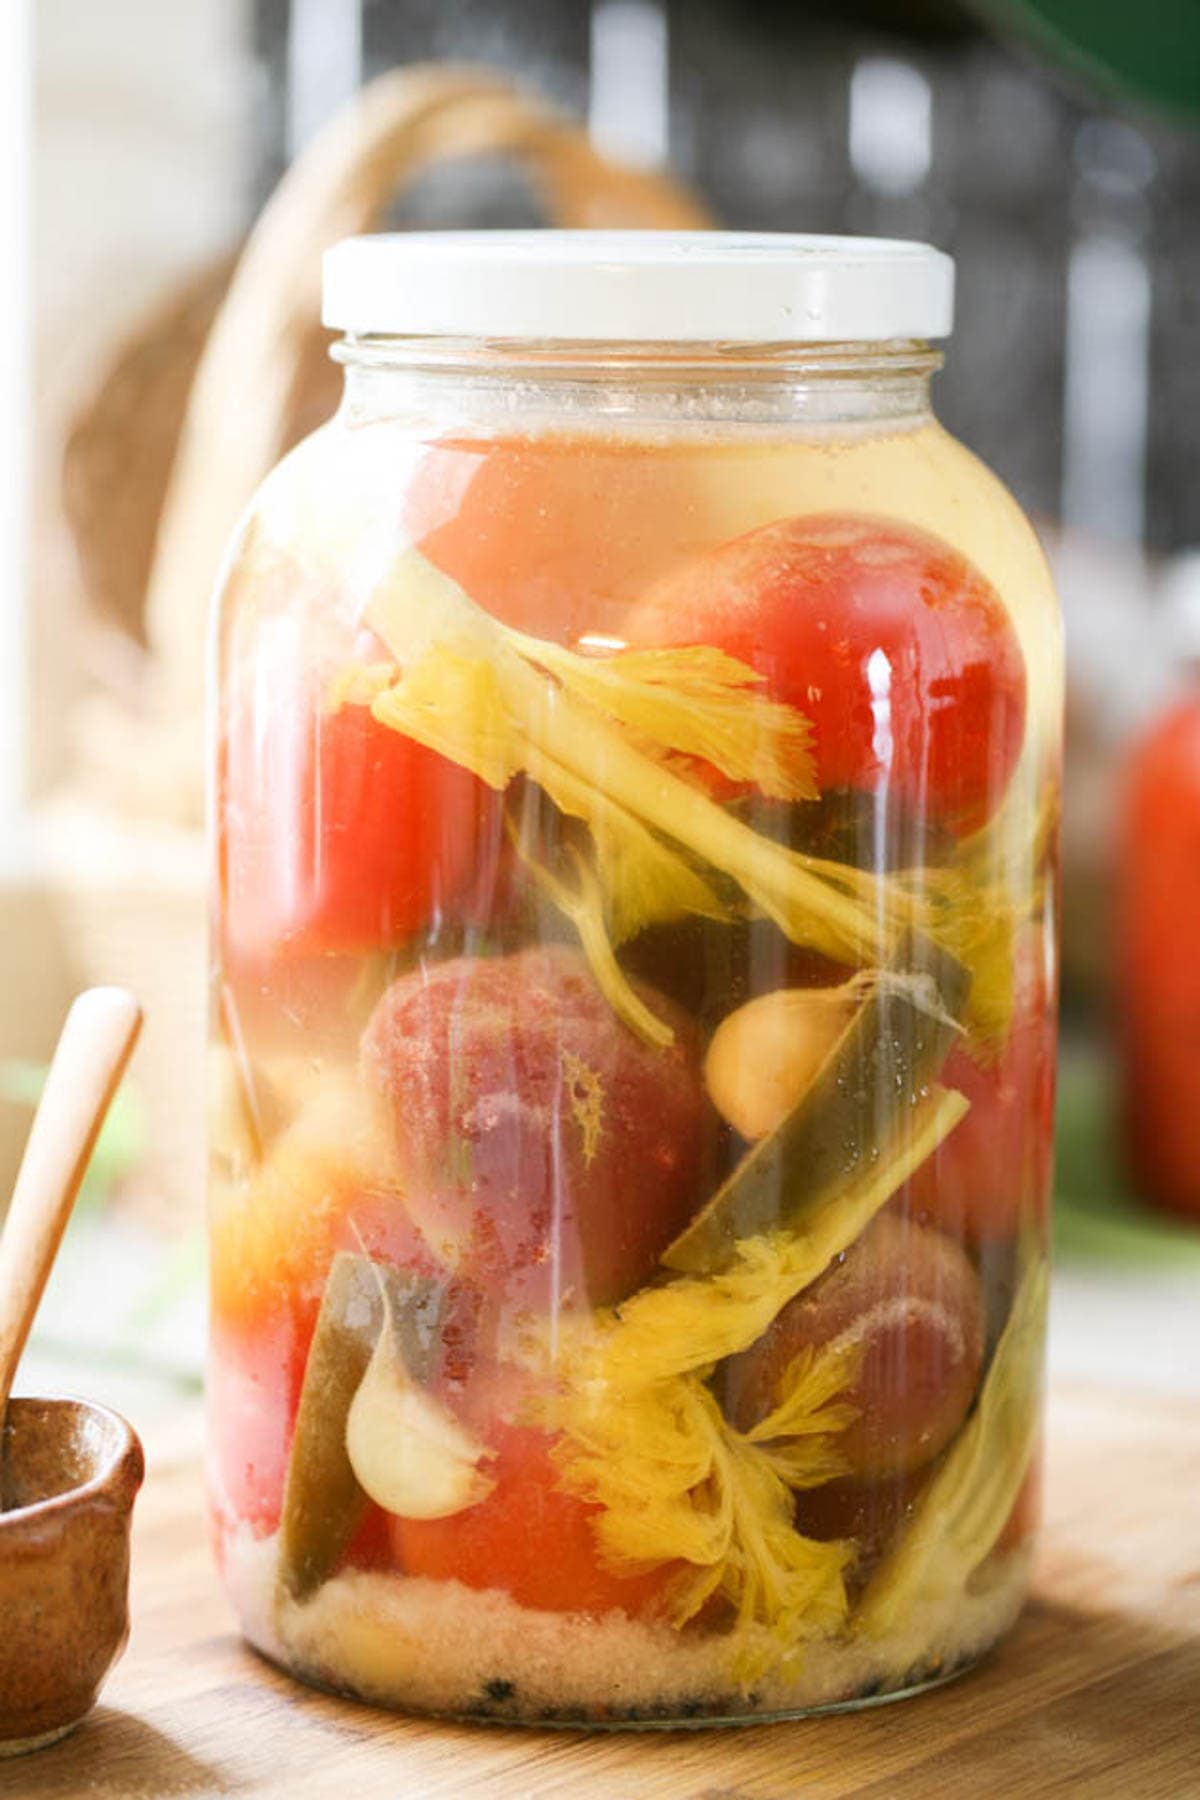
x: 441, y: 1648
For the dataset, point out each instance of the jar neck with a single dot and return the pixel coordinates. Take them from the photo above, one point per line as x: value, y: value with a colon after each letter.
x: 626, y: 386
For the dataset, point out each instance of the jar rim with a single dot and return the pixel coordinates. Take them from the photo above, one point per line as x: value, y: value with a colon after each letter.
x: 634, y: 287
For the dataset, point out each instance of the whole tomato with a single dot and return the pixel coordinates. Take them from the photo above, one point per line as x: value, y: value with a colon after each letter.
x: 545, y: 1149
x: 897, y: 649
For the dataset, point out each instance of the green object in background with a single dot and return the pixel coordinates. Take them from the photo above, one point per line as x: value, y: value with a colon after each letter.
x: 1097, y: 1218
x: 1151, y: 48
x: 119, y: 1147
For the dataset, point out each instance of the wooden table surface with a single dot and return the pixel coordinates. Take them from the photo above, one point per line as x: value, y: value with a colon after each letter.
x: 1096, y: 1696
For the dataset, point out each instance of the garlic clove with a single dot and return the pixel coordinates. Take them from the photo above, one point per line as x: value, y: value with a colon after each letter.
x: 408, y: 1452
x: 764, y: 1057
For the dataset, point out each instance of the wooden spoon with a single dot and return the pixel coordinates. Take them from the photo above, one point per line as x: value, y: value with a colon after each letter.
x: 97, y: 1039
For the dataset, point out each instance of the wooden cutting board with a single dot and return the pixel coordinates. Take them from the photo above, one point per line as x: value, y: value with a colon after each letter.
x: 1096, y: 1696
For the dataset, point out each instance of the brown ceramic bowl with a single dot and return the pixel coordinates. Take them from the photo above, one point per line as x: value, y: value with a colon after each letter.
x: 70, y: 1473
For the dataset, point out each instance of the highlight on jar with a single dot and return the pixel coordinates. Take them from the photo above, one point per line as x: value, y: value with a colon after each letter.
x: 633, y: 1023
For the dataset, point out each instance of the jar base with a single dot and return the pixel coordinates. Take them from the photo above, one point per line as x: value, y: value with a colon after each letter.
x: 634, y: 1721
x: 440, y: 1650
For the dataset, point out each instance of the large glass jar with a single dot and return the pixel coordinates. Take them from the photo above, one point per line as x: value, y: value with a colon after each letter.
x: 636, y: 745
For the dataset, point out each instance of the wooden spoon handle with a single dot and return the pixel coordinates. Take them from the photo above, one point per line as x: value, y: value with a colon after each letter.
x: 100, y: 1032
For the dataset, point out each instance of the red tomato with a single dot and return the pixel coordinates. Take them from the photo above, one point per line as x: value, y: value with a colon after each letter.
x: 545, y: 1148
x: 337, y: 833
x: 528, y: 1538
x: 895, y: 647
x: 994, y: 1169
x: 371, y: 1546
x: 1158, y: 960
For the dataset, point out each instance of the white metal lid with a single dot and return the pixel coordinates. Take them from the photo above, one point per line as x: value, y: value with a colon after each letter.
x: 638, y: 286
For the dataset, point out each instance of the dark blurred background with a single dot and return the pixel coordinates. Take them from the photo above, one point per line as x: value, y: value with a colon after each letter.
x: 1069, y: 205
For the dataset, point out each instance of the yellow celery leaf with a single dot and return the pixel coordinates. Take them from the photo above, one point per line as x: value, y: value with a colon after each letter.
x: 634, y: 881
x: 450, y: 702
x: 799, y: 1437
x: 983, y: 937
x: 550, y: 730
x: 583, y: 904
x: 964, y: 1508
x: 808, y: 1461
x: 459, y: 662
x: 644, y: 1437
x: 694, y: 701
x: 1004, y: 869
x: 810, y: 1386
x: 678, y: 1484
x: 360, y: 685
x: 643, y: 880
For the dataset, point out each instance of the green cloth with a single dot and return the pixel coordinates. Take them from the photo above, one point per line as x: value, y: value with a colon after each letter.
x: 1151, y: 48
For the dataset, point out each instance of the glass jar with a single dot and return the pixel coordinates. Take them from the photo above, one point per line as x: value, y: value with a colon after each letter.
x: 635, y: 781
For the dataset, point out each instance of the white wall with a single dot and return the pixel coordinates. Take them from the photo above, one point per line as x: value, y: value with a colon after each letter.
x: 141, y: 149
x: 141, y: 115
x: 128, y: 166
x: 15, y: 131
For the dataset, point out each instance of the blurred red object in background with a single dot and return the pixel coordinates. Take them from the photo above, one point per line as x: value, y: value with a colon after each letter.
x: 1158, y: 956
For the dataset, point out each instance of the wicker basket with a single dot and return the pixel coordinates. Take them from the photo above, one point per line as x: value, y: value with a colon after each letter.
x: 156, y: 471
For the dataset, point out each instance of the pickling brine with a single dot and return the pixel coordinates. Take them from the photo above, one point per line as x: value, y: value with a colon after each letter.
x: 635, y: 785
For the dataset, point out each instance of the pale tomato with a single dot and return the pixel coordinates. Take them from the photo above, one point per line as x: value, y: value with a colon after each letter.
x: 554, y: 535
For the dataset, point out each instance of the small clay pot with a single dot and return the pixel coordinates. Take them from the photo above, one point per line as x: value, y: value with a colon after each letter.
x: 69, y: 1473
